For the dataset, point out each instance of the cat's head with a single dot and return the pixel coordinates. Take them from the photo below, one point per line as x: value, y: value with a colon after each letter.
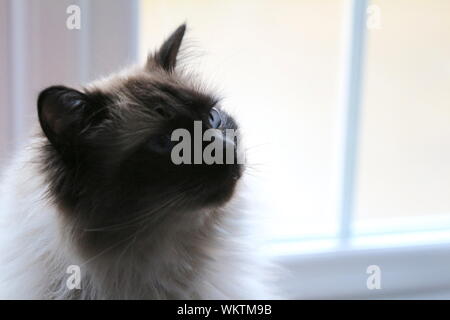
x: 109, y: 150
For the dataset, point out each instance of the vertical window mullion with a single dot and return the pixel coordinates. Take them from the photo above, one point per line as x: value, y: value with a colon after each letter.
x: 350, y: 106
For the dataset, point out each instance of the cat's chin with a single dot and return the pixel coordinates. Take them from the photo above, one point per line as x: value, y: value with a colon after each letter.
x: 219, y: 198
x: 221, y: 191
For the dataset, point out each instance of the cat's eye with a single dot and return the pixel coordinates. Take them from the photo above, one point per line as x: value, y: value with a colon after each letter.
x: 214, y: 118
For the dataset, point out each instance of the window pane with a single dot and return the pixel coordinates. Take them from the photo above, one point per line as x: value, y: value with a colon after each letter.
x: 404, y: 164
x: 276, y: 62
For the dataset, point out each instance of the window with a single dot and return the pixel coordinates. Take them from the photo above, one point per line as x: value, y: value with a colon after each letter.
x: 404, y: 167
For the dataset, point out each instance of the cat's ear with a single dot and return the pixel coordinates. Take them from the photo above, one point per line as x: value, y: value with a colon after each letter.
x: 166, y: 56
x: 61, y: 111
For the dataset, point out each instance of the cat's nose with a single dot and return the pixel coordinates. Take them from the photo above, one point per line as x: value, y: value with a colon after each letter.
x: 215, y: 120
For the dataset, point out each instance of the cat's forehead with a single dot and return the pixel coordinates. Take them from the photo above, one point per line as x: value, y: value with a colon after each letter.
x: 140, y: 87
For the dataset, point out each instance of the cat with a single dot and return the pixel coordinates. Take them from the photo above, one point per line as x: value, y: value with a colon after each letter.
x: 96, y: 189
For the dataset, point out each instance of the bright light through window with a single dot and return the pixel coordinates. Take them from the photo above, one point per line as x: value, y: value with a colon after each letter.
x: 404, y: 167
x: 277, y: 66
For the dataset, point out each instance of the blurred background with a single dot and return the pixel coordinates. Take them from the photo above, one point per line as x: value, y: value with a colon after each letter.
x: 344, y: 105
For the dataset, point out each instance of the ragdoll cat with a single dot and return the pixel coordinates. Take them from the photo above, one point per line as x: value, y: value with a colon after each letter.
x: 96, y: 188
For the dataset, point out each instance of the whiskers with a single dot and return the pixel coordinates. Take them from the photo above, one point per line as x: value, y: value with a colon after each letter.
x: 252, y: 167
